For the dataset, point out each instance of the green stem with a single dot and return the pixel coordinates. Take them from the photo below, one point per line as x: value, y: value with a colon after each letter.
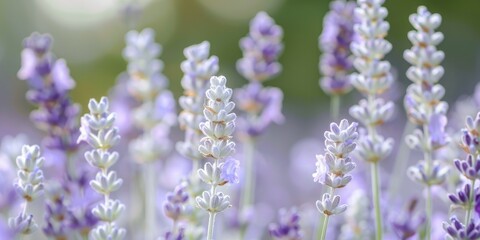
x: 376, y: 201
x: 427, y: 155
x: 150, y: 196
x: 323, y: 233
x: 335, y: 107
x: 468, y: 214
x: 428, y: 220
x: 211, y: 223
x: 211, y: 215
x: 248, y: 194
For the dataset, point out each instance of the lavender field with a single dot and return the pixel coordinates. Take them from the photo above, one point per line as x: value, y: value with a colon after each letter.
x: 228, y: 120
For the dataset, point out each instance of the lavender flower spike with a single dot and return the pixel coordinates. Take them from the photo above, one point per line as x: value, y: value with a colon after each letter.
x: 29, y: 186
x: 261, y: 49
x: 99, y: 132
x: 49, y: 80
x: 154, y: 116
x: 174, y: 208
x: 335, y: 40
x: 288, y: 226
x: 217, y: 145
x: 333, y: 167
x: 373, y: 78
x: 423, y: 101
x: 198, y: 68
x: 260, y: 106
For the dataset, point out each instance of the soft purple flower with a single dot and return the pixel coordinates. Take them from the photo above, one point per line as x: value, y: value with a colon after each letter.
x: 176, y: 202
x: 262, y: 107
x: 457, y: 230
x: 407, y: 224
x: 338, y: 33
x: 179, y: 235
x: 261, y: 49
x: 436, y: 128
x: 230, y: 170
x: 288, y: 226
x: 50, y: 82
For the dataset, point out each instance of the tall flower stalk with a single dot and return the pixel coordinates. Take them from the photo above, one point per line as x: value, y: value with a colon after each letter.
x: 336, y: 61
x: 468, y: 197
x: 218, y: 146
x: 198, y: 68
x: 372, y: 79
x: 333, y: 168
x: 260, y: 105
x: 153, y: 116
x: 29, y: 186
x: 98, y: 130
x: 423, y: 102
x: 50, y: 83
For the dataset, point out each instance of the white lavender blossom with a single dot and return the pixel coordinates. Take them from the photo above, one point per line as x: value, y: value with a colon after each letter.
x: 198, y: 68
x: 423, y: 102
x: 146, y: 83
x: 29, y: 186
x: 98, y: 130
x: 217, y: 145
x: 374, y: 77
x: 334, y: 166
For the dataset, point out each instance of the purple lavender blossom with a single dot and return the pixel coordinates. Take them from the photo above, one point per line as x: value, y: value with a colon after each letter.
x: 50, y: 82
x: 263, y: 106
x: 261, y: 49
x: 288, y: 226
x: 457, y: 230
x: 229, y: 172
x: 337, y: 34
x: 174, y: 206
x: 407, y: 225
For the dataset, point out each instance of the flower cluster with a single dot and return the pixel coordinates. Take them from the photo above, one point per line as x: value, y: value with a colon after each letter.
x: 261, y: 48
x: 156, y: 112
x: 374, y: 77
x: 198, y: 68
x: 333, y: 167
x: 423, y: 99
x: 335, y: 40
x: 69, y: 208
x: 29, y: 186
x: 97, y: 129
x: 288, y: 226
x: 468, y: 197
x: 406, y: 225
x: 217, y: 145
x: 174, y: 208
x: 49, y: 80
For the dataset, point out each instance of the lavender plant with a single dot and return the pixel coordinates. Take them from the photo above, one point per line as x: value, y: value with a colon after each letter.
x: 468, y: 197
x: 50, y: 82
x: 372, y: 79
x: 336, y: 62
x: 29, y: 186
x: 174, y: 207
x: 423, y: 102
x: 98, y: 130
x: 217, y: 145
x: 288, y: 226
x: 261, y: 106
x: 154, y: 116
x: 198, y: 68
x: 333, y: 168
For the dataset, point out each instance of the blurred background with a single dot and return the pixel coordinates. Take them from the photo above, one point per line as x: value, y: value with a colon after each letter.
x: 89, y: 34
